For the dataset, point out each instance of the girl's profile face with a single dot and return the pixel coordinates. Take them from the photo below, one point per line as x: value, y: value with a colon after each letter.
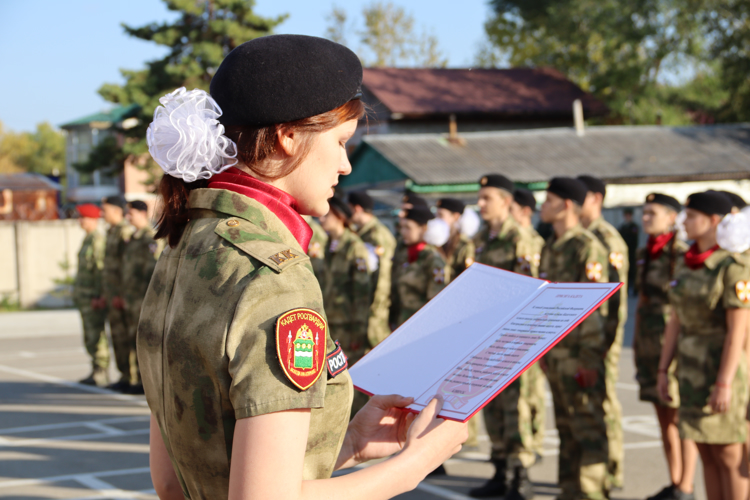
x: 411, y: 232
x: 657, y: 219
x: 312, y: 183
x: 698, y: 224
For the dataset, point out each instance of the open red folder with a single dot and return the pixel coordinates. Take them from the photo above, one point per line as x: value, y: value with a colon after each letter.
x: 476, y: 337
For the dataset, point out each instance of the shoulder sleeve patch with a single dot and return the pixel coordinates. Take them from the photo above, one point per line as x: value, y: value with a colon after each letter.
x: 742, y: 288
x: 301, y: 346
x: 616, y: 260
x: 438, y: 274
x: 593, y: 271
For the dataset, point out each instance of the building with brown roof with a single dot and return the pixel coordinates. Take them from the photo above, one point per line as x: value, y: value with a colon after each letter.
x: 405, y: 100
x: 28, y: 197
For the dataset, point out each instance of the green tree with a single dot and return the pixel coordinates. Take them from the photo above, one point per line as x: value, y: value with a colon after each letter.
x: 388, y: 37
x: 613, y: 48
x: 41, y: 152
x: 205, y: 32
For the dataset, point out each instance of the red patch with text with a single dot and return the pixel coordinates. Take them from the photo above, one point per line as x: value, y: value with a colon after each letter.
x: 300, y: 345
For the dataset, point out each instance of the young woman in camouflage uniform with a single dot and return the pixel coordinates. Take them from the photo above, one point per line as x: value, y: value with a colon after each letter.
x: 239, y: 409
x: 706, y: 330
x: 655, y: 270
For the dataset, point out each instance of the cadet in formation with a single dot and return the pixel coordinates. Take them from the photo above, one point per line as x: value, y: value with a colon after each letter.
x: 522, y: 209
x: 615, y: 316
x: 118, y: 235
x: 249, y: 394
x: 503, y: 244
x: 424, y: 275
x: 575, y: 366
x: 380, y: 245
x: 400, y: 256
x: 138, y: 263
x: 346, y: 283
x: 710, y: 297
x: 317, y: 248
x: 88, y: 295
x: 459, y: 250
x: 655, y: 271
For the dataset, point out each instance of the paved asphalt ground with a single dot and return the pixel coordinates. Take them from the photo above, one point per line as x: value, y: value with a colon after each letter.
x: 59, y: 439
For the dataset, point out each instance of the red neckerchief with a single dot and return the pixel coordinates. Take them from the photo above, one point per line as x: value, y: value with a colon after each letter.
x: 283, y: 205
x: 655, y: 244
x: 414, y: 250
x: 695, y: 260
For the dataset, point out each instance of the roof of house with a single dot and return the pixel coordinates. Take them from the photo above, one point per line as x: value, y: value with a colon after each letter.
x: 511, y: 92
x: 621, y: 154
x: 28, y: 182
x: 114, y: 115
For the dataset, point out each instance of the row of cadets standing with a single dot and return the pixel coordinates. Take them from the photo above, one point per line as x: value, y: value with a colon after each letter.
x: 114, y: 271
x: 512, y: 416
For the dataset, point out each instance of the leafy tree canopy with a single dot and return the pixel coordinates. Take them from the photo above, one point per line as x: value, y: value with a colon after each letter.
x: 388, y: 37
x: 42, y: 151
x: 205, y: 32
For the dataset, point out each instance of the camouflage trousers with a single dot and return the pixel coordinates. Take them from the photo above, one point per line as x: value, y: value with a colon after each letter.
x: 579, y: 416
x: 508, y: 421
x: 94, y: 336
x: 536, y: 397
x: 133, y: 316
x: 122, y: 344
x: 613, y: 412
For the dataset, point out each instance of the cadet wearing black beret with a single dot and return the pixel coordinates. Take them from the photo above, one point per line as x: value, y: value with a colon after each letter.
x: 525, y: 198
x: 710, y: 203
x: 737, y: 201
x: 283, y: 78
x: 593, y: 184
x: 451, y: 204
x: 568, y: 188
x: 138, y: 205
x: 413, y: 199
x: 420, y: 215
x: 665, y: 200
x: 361, y: 199
x: 116, y: 200
x: 497, y: 181
x: 341, y: 208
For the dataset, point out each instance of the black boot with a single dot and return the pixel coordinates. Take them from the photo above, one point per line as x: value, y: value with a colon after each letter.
x: 495, y: 487
x: 520, y: 486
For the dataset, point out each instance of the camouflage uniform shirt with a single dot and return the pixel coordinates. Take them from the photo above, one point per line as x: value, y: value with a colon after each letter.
x: 652, y: 282
x: 346, y: 293
x: 317, y: 248
x: 512, y: 248
x: 88, y: 280
x: 138, y: 263
x: 381, y: 245
x: 461, y: 253
x: 420, y: 281
x: 207, y: 342
x: 700, y: 299
x: 118, y: 236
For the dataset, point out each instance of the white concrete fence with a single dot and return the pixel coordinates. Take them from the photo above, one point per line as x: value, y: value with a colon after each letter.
x: 36, y: 259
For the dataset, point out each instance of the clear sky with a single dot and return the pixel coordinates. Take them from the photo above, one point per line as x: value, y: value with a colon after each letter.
x: 55, y: 54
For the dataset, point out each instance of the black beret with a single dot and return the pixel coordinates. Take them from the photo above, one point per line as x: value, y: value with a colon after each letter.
x: 283, y: 78
x: 362, y: 199
x: 419, y: 214
x: 710, y: 203
x: 737, y: 201
x: 497, y: 181
x: 116, y: 200
x: 452, y: 204
x: 138, y: 205
x: 338, y: 205
x: 663, y: 199
x: 593, y: 184
x: 525, y: 198
x: 413, y: 199
x: 568, y: 188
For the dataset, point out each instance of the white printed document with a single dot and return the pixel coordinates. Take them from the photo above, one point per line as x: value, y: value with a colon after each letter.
x: 475, y: 338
